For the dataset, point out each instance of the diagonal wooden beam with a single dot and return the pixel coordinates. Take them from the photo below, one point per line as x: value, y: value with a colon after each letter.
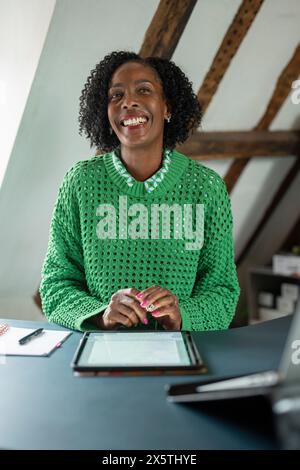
x: 225, y: 145
x: 293, y: 238
x: 283, y: 87
x: 286, y: 183
x: 229, y: 46
x: 166, y: 28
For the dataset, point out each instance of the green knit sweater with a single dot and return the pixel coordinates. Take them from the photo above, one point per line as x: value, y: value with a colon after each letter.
x: 105, y: 236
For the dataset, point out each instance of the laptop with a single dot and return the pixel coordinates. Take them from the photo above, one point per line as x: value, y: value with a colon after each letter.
x: 250, y: 385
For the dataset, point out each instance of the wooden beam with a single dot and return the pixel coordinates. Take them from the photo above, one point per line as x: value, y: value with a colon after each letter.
x: 293, y: 237
x: 241, y: 145
x: 229, y: 46
x: 282, y: 90
x: 166, y: 28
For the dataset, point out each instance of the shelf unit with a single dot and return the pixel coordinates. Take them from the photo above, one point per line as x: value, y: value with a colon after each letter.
x: 264, y: 279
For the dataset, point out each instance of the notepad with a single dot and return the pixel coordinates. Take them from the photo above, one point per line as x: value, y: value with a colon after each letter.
x: 42, y: 345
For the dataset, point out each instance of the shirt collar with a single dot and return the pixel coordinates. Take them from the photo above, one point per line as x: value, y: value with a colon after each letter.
x: 152, y: 182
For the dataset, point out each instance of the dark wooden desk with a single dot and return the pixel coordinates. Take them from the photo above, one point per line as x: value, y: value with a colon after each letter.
x: 43, y: 406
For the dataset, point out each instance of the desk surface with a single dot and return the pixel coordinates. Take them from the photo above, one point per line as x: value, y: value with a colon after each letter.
x: 43, y: 406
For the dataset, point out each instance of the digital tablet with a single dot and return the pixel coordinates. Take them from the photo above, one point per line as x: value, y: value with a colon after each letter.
x: 134, y: 353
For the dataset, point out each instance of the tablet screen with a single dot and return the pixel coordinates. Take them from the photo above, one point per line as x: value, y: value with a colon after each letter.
x: 135, y: 349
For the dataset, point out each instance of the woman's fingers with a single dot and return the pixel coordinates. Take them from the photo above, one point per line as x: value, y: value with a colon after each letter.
x: 129, y: 314
x: 124, y: 301
x: 130, y: 292
x: 158, y: 297
x: 119, y: 319
x: 168, y: 317
x: 134, y: 305
x: 145, y: 294
x: 162, y: 312
x: 168, y: 300
x: 116, y: 314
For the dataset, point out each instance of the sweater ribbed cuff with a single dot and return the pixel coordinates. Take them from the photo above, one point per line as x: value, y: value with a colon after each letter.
x: 81, y: 323
x: 186, y: 320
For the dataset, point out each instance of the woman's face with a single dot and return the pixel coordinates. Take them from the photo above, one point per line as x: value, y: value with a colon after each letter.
x: 136, y: 105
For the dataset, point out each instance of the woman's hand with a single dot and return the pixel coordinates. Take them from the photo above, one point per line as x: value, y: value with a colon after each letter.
x: 123, y: 309
x: 166, y: 306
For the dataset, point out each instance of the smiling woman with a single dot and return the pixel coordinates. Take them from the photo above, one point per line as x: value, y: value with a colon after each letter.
x: 144, y: 274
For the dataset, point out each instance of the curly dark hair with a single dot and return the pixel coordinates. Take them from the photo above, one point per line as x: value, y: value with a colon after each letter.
x: 178, y: 92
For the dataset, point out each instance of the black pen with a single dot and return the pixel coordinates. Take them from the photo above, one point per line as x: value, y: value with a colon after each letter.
x: 32, y: 335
